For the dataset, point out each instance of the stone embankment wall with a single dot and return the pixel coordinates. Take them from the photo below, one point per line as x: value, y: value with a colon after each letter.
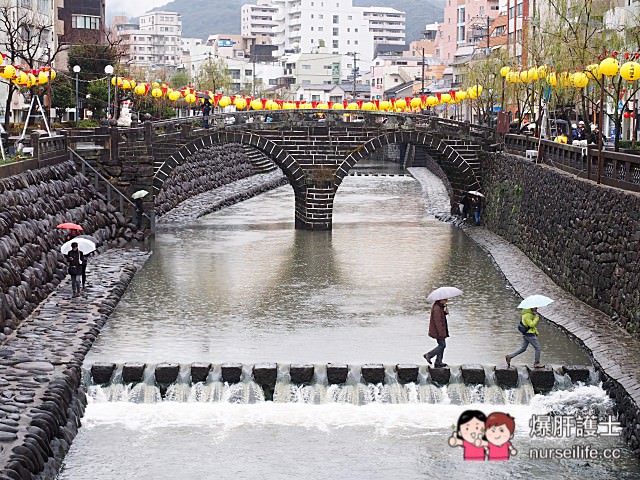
x: 33, y: 203
x: 584, y: 236
x: 205, y: 170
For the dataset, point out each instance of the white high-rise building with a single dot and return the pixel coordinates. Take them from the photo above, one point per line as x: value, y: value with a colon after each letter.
x: 155, y: 42
x: 306, y: 25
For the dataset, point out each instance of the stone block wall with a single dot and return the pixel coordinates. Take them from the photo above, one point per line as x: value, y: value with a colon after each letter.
x: 33, y: 203
x: 205, y: 170
x: 586, y: 237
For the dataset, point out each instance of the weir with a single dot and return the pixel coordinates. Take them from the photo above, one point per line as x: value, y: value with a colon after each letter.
x: 327, y: 383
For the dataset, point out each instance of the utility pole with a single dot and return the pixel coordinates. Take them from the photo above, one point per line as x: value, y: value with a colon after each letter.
x: 354, y: 72
x: 422, y: 89
x: 253, y: 81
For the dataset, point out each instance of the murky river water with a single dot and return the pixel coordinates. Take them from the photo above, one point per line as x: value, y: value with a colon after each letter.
x: 243, y: 285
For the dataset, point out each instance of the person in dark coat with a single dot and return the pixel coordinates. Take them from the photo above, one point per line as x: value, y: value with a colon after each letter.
x: 466, y: 206
x: 139, y: 212
x: 75, y: 259
x: 438, y: 329
x: 206, y: 110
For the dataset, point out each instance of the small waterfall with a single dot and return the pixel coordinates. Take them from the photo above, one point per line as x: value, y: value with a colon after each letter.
x: 456, y: 390
x: 562, y: 380
x: 180, y: 391
x: 146, y: 391
x: 594, y: 376
x: 355, y: 390
x: 427, y: 391
x: 492, y: 392
x: 524, y: 391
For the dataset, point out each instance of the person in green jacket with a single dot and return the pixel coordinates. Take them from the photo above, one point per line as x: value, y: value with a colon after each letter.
x: 530, y: 319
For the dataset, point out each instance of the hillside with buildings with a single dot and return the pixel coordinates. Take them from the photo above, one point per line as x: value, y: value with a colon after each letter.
x: 199, y: 19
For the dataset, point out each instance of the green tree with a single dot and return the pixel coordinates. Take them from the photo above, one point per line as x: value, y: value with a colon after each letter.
x: 213, y: 75
x: 179, y: 79
x: 97, y: 98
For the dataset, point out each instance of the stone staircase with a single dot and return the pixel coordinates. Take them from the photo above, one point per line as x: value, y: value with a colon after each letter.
x: 259, y: 160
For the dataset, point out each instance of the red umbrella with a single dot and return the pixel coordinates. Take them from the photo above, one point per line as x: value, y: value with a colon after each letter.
x: 69, y: 226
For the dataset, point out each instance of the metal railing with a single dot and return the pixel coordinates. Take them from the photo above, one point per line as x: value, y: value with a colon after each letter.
x: 111, y: 191
x: 621, y: 170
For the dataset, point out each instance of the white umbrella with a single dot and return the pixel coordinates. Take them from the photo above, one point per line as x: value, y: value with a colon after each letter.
x: 139, y: 194
x: 475, y: 192
x: 533, y: 301
x: 84, y: 245
x: 444, y: 292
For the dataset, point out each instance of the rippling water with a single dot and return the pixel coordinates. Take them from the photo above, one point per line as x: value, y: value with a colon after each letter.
x: 244, y: 285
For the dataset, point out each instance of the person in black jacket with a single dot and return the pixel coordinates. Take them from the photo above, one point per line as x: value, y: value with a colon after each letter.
x: 206, y: 109
x: 75, y: 258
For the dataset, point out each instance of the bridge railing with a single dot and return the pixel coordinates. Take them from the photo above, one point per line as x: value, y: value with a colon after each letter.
x: 276, y: 120
x: 621, y: 170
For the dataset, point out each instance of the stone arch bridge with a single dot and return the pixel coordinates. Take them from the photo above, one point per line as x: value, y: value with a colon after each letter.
x: 315, y: 149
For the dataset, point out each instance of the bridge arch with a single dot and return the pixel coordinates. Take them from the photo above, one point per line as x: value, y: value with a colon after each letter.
x: 289, y: 166
x: 459, y: 171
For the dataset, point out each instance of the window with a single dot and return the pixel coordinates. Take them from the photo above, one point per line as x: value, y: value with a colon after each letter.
x: 336, y: 19
x: 336, y: 32
x: 248, y: 73
x: 349, y: 17
x: 315, y: 98
x: 25, y: 3
x: 320, y: 29
x: 335, y: 44
x: 306, y: 66
x: 85, y: 21
x: 43, y: 6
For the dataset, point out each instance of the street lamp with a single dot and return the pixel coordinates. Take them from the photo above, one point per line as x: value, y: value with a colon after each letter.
x: 108, y: 70
x: 76, y: 70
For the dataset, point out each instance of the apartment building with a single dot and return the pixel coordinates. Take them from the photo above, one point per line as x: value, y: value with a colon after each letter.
x: 80, y: 22
x: 154, y: 42
x: 465, y: 24
x: 305, y: 25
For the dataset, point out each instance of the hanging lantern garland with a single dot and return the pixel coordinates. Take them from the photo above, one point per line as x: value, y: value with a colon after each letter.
x: 23, y: 77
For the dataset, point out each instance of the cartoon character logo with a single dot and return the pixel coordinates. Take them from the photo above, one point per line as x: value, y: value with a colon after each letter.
x: 484, y: 437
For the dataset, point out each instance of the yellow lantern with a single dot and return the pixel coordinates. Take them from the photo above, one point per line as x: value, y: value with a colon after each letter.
x: 432, y: 101
x: 542, y: 72
x: 415, y: 103
x: 352, y: 106
x: 338, y: 106
x: 564, y: 79
x: 126, y: 84
x: 190, y: 98
x: 275, y: 106
x: 461, y: 95
x: 630, y: 71
x: 288, y: 106
x: 155, y: 85
x: 256, y: 104
x: 609, y: 67
x: 552, y: 79
x: 268, y: 105
x: 533, y: 74
x: 140, y: 89
x: 224, y: 101
x: 305, y: 106
x: 116, y: 81
x: 32, y: 79
x: 240, y: 103
x: 385, y: 105
x: 445, y: 98
x: 579, y: 80
x: 504, y: 71
x: 593, y: 71
x: 174, y: 95
x: 52, y: 75
x: 401, y: 103
x: 524, y: 76
x: 474, y: 91
x: 156, y: 93
x: 9, y: 72
x: 323, y: 106
x: 43, y: 78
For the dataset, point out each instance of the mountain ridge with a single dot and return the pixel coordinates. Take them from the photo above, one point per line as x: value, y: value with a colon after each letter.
x: 199, y: 20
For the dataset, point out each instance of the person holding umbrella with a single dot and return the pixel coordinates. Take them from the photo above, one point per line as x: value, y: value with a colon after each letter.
x: 438, y: 326
x: 139, y: 207
x: 75, y: 258
x: 527, y: 327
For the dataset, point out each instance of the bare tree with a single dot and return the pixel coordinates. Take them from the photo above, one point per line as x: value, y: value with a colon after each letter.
x: 25, y: 39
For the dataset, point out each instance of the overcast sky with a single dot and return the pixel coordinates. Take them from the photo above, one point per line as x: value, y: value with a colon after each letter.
x: 131, y: 8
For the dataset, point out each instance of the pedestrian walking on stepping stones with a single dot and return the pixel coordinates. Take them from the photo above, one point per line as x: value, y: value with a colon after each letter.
x: 528, y: 327
x: 75, y: 259
x: 438, y: 326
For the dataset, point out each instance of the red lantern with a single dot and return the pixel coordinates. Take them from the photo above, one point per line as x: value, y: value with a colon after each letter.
x: 264, y: 103
x: 627, y: 114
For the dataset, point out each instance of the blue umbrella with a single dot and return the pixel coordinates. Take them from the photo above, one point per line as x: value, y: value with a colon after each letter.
x: 533, y: 301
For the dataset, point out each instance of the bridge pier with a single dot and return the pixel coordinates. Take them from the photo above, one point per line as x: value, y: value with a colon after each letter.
x: 314, y: 207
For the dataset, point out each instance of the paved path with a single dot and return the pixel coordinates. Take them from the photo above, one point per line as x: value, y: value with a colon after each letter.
x: 612, y: 348
x: 207, y: 202
x: 40, y: 362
